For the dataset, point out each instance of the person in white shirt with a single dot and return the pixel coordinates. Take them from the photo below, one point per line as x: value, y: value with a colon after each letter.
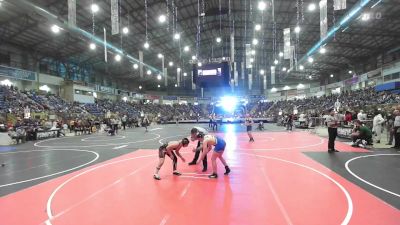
x: 361, y: 116
x: 377, y: 126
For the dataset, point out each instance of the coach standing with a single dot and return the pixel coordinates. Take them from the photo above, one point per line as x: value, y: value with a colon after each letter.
x: 396, y: 129
x: 332, y: 123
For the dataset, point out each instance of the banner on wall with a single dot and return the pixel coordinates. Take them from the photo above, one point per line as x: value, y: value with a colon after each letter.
x: 339, y: 4
x: 172, y: 98
x: 351, y: 81
x: 248, y: 56
x: 323, y: 16
x: 72, y: 12
x: 250, y: 81
x: 272, y: 74
x: 151, y: 97
x: 203, y: 99
x: 105, y: 44
x: 17, y: 73
x: 286, y: 41
x: 114, y: 17
x: 186, y: 98
x: 108, y: 90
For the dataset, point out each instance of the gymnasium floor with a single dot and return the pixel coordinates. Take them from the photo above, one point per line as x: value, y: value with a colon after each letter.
x: 281, y: 178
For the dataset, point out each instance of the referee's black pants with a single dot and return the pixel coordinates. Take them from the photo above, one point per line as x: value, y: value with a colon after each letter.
x: 197, y: 155
x: 332, y: 136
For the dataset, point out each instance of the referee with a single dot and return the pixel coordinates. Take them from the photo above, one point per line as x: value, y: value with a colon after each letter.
x: 332, y: 123
x: 193, y: 136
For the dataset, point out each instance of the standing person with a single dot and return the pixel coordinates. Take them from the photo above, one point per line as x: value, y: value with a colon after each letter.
x: 378, y: 126
x: 332, y: 123
x: 289, y: 122
x: 124, y: 120
x: 145, y: 122
x: 389, y: 128
x: 168, y: 149
x: 248, y: 122
x: 193, y: 136
x: 219, y: 146
x: 396, y: 129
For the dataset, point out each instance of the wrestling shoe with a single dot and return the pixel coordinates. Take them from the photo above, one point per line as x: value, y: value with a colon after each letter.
x: 227, y: 170
x: 176, y: 173
x: 214, y: 175
x: 192, y: 163
x: 156, y: 177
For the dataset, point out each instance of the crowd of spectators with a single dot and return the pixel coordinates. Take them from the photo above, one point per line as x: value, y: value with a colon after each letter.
x: 351, y: 101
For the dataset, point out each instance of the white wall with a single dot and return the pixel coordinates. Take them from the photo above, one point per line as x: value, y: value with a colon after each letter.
x: 83, y: 98
x: 48, y: 79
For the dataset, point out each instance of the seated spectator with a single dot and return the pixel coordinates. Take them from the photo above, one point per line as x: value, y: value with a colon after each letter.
x: 361, y: 135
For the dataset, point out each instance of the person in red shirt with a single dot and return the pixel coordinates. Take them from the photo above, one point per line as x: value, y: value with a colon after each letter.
x: 348, y: 117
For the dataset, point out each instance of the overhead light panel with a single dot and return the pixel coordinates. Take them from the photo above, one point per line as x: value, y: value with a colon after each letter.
x: 117, y: 57
x: 310, y: 59
x: 160, y: 56
x: 92, y: 46
x: 158, y: 77
x: 365, y: 17
x: 55, y: 29
x: 177, y: 36
x: 171, y: 63
x: 95, y: 8
x: 186, y: 48
x: 261, y: 5
x: 146, y: 45
x: 311, y: 7
x: 199, y: 64
x: 255, y: 41
x: 135, y: 66
x: 262, y: 72
x: 148, y: 72
x: 301, y: 67
x: 322, y: 50
x: 162, y: 18
x: 276, y: 62
x: 331, y: 75
x: 125, y: 30
x: 297, y: 29
x: 257, y: 27
x: 218, y: 39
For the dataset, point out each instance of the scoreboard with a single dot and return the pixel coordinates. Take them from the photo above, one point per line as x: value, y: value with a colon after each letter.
x: 212, y: 75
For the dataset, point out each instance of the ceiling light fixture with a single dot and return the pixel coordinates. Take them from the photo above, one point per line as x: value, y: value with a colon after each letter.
x: 95, y: 8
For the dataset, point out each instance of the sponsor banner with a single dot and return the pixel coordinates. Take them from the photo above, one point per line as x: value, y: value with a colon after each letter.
x: 170, y: 98
x: 108, y: 90
x: 138, y: 96
x: 186, y: 98
x: 317, y: 89
x: 17, y: 73
x: 72, y: 12
x: 339, y: 4
x: 323, y: 17
x: 286, y: 40
x: 122, y: 92
x: 203, y: 99
x: 151, y: 97
x: 292, y: 92
x: 351, y: 81
x: 46, y: 134
x: 256, y: 96
x: 114, y: 17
